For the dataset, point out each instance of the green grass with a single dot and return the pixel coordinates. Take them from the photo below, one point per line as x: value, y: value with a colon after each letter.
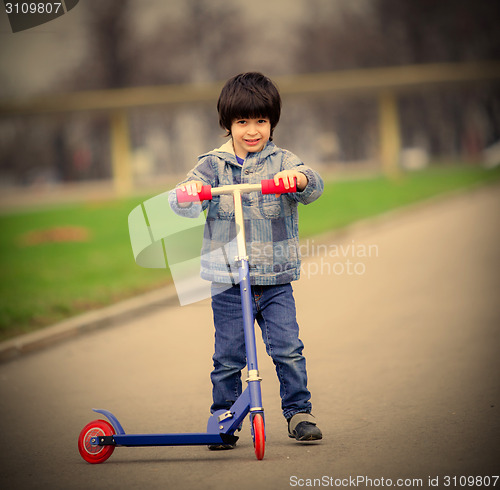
x: 47, y: 282
x: 345, y: 202
x: 44, y: 283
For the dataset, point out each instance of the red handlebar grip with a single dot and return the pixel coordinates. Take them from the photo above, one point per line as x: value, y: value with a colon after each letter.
x: 204, y: 195
x: 269, y: 187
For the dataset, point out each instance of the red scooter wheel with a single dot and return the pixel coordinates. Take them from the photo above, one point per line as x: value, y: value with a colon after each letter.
x: 89, y: 452
x: 259, y: 436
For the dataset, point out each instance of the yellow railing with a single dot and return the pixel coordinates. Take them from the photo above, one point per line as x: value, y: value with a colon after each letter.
x: 384, y: 83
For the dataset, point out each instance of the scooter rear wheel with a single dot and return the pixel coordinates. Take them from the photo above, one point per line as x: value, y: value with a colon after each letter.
x: 89, y: 452
x: 259, y: 436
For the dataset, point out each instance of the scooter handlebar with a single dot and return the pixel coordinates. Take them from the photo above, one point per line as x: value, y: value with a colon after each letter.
x: 204, y: 195
x: 267, y: 186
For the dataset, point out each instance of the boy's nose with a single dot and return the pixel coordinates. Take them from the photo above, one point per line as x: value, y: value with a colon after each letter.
x: 252, y: 130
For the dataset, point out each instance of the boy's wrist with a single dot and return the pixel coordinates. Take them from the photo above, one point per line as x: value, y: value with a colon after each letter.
x: 302, y: 181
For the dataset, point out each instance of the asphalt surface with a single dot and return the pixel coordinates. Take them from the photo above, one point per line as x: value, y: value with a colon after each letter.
x: 401, y: 323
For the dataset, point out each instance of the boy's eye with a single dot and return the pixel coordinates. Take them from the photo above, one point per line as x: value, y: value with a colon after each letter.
x: 262, y: 121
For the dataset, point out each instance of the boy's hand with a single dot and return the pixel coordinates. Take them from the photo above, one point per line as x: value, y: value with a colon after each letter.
x: 193, y: 187
x: 287, y: 176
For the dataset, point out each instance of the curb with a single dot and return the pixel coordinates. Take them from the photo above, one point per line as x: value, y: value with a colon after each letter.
x: 167, y: 296
x: 87, y: 322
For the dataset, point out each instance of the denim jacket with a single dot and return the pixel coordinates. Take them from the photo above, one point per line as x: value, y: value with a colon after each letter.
x: 271, y: 223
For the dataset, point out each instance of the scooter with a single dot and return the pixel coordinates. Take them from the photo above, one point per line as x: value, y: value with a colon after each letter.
x: 99, y: 438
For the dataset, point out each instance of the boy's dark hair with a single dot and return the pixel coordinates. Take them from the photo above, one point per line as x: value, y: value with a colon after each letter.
x: 249, y: 95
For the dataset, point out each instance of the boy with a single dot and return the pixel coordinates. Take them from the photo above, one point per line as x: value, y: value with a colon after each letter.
x: 249, y: 109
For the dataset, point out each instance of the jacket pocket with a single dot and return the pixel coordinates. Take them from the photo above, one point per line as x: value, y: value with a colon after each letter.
x: 226, y: 206
x: 270, y: 207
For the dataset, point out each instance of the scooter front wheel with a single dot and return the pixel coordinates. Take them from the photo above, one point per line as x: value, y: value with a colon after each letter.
x: 259, y: 436
x: 90, y: 452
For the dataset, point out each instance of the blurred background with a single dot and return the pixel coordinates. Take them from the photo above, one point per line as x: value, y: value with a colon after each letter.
x: 121, y: 44
x: 118, y: 98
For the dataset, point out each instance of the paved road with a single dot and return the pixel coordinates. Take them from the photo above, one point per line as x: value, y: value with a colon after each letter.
x: 401, y: 323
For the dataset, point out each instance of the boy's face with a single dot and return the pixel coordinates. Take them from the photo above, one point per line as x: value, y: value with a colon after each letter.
x: 250, y: 135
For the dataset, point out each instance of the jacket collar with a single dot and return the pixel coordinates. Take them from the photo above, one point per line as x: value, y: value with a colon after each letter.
x: 226, y: 151
x: 227, y: 147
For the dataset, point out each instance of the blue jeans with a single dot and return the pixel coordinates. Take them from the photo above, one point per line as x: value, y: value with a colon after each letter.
x: 274, y: 310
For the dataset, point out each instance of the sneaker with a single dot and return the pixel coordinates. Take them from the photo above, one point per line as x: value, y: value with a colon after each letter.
x: 302, y: 427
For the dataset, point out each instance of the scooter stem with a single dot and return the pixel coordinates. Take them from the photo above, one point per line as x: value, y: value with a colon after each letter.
x: 247, y: 309
x: 240, y: 226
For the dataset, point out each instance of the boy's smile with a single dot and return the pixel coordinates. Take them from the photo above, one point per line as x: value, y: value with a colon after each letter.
x: 250, y: 135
